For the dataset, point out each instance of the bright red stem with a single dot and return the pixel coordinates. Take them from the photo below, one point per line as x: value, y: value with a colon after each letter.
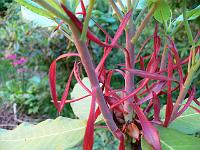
x: 169, y: 106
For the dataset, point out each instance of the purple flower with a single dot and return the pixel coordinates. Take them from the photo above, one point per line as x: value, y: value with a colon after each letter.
x: 11, y: 57
x: 21, y: 61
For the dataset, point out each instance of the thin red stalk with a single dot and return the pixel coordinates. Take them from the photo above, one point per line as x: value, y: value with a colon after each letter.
x: 52, y: 79
x: 174, y: 89
x: 108, y: 79
x: 132, y: 94
x: 83, y: 8
x: 148, y: 107
x: 156, y: 106
x: 66, y: 91
x: 79, y: 26
x: 158, y: 87
x: 142, y: 63
x: 102, y: 79
x: 89, y: 132
x: 190, y: 99
x: 109, y: 37
x: 154, y: 76
x: 136, y: 61
x: 196, y: 109
x: 107, y: 82
x: 143, y: 46
x: 115, y: 39
x: 169, y: 106
x: 75, y: 100
x: 178, y: 60
x: 77, y: 76
x: 176, y: 66
x: 196, y: 101
x: 111, y: 101
x: 164, y: 58
x: 147, y: 90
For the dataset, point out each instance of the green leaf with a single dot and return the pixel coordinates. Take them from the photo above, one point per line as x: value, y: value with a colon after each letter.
x: 81, y: 108
x: 163, y: 12
x: 55, y: 4
x: 36, y: 19
x: 174, y: 140
x: 36, y: 8
x: 145, y: 145
x: 191, y: 15
x: 59, y: 134
x: 188, y: 122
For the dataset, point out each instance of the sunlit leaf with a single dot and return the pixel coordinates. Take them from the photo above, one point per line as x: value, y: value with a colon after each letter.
x: 36, y: 19
x: 82, y: 107
x: 61, y: 133
x: 36, y: 8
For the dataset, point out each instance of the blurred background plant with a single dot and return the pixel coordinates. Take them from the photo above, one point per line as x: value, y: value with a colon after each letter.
x: 26, y: 52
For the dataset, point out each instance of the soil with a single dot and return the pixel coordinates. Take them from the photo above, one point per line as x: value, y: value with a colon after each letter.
x: 9, y: 119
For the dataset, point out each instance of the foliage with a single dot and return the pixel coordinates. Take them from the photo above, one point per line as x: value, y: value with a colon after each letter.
x: 27, y: 85
x: 3, y: 4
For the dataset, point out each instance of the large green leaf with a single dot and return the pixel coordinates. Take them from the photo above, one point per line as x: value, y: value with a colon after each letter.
x: 174, y: 140
x: 59, y: 134
x: 188, y: 122
x: 36, y: 19
x: 55, y: 4
x: 36, y: 8
x: 81, y: 108
x: 162, y: 12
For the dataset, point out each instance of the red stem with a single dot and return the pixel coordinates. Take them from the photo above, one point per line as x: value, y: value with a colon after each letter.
x: 129, y: 77
x: 90, y: 70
